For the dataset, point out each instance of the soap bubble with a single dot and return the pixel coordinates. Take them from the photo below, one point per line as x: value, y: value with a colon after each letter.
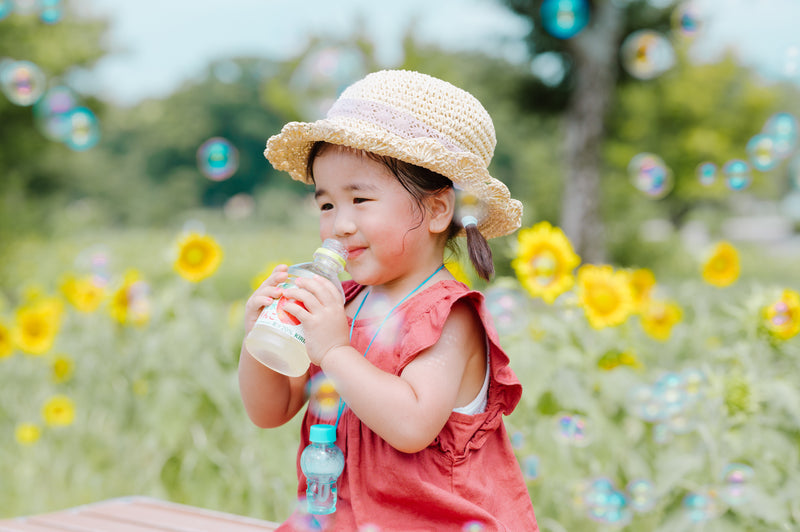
x: 6, y: 6
x: 508, y: 308
x: 239, y: 206
x: 737, y: 174
x: 605, y: 504
x: 783, y: 129
x: 323, y: 399
x: 700, y: 506
x: 564, y: 18
x: 650, y: 175
x: 706, y: 173
x: 325, y: 73
x: 641, y: 495
x: 687, y: 19
x: 646, y: 54
x: 473, y: 526
x: 517, y: 439
x: 22, y: 82
x: 52, y: 112
x: 84, y: 130
x: 468, y: 204
x: 530, y: 467
x: 762, y: 152
x: 571, y: 429
x: 644, y: 404
x: 51, y: 11
x: 217, y: 159
x: 96, y: 262
x: 736, y: 478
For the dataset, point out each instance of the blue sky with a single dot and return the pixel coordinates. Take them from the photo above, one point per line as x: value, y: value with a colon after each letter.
x: 157, y: 44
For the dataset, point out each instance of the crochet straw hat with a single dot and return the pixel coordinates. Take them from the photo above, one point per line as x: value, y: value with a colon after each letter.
x: 415, y: 118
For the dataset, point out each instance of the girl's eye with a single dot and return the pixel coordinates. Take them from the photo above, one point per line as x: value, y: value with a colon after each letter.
x: 326, y: 207
x: 359, y: 200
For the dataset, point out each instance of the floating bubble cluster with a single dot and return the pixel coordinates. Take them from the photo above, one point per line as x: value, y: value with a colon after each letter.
x: 571, y: 429
x: 23, y: 82
x: 564, y: 19
x: 737, y: 174
x: 707, y: 173
x: 50, y: 11
x: 646, y: 54
x: 650, y: 175
x: 669, y: 402
x: 701, y: 506
x: 217, y: 159
x: 604, y: 503
x: 782, y: 128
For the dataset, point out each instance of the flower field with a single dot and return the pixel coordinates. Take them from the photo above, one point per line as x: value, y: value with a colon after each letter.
x: 652, y: 402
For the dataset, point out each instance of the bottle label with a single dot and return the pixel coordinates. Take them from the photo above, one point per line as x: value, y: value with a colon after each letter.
x: 276, y: 317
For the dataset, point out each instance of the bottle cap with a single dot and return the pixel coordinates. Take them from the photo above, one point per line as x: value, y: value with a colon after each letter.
x: 322, y: 433
x: 334, y: 249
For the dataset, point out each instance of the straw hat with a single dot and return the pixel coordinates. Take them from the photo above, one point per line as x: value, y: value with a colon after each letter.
x: 415, y: 118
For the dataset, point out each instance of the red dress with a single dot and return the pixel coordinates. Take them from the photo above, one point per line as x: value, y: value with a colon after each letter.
x: 467, y: 475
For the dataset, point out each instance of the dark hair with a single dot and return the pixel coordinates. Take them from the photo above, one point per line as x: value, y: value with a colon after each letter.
x: 419, y: 182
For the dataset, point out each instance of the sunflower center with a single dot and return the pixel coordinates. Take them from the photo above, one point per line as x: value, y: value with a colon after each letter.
x: 604, y: 300
x: 195, y: 256
x: 544, y: 267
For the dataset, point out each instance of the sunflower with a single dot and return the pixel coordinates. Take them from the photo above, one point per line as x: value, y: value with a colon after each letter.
x: 82, y: 293
x: 658, y: 318
x: 642, y: 283
x: 6, y: 341
x: 722, y: 267
x: 199, y: 256
x: 130, y: 303
x: 62, y: 368
x: 37, y: 325
x: 59, y: 411
x: 605, y: 295
x: 27, y: 433
x: 457, y: 270
x: 782, y: 318
x: 545, y: 261
x: 261, y: 276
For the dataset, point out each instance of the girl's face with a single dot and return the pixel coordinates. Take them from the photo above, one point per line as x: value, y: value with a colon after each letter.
x: 363, y: 205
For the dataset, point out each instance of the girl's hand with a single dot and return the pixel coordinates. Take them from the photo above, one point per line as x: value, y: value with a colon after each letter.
x: 264, y: 295
x: 321, y: 313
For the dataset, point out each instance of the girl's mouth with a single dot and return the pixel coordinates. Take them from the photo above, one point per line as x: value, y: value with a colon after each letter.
x: 354, y: 252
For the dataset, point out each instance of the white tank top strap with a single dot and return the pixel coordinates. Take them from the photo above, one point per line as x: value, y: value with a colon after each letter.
x: 478, y: 405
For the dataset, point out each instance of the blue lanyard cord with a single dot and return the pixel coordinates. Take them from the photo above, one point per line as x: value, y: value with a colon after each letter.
x: 352, y: 324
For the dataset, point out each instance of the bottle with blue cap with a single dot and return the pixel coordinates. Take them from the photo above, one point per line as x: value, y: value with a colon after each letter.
x: 277, y: 339
x: 321, y: 462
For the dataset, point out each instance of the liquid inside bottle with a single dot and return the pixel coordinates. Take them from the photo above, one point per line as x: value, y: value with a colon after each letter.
x: 277, y: 339
x: 322, y: 462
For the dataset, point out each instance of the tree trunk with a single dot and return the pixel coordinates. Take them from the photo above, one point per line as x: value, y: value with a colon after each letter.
x: 594, y: 52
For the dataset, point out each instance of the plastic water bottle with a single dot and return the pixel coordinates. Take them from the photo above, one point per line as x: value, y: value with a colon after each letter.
x: 277, y: 339
x: 322, y: 462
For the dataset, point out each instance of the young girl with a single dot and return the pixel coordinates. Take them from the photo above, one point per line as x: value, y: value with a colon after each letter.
x: 411, y: 352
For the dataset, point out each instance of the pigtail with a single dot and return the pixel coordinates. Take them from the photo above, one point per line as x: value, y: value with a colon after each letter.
x: 480, y: 254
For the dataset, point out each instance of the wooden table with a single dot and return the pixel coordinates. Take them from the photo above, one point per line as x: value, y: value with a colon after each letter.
x: 136, y: 514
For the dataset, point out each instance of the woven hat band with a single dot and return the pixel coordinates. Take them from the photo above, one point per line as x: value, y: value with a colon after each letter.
x: 390, y: 119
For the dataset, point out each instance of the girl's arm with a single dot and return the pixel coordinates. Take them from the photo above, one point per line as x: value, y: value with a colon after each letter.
x: 270, y: 398
x: 409, y: 410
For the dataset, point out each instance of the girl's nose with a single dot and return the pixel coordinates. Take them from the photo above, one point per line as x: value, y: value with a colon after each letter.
x: 343, y: 225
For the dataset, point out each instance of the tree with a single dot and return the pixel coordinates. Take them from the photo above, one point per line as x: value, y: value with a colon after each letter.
x: 31, y: 166
x: 586, y: 89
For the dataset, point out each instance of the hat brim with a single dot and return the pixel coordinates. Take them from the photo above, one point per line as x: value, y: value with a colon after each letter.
x: 288, y: 151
